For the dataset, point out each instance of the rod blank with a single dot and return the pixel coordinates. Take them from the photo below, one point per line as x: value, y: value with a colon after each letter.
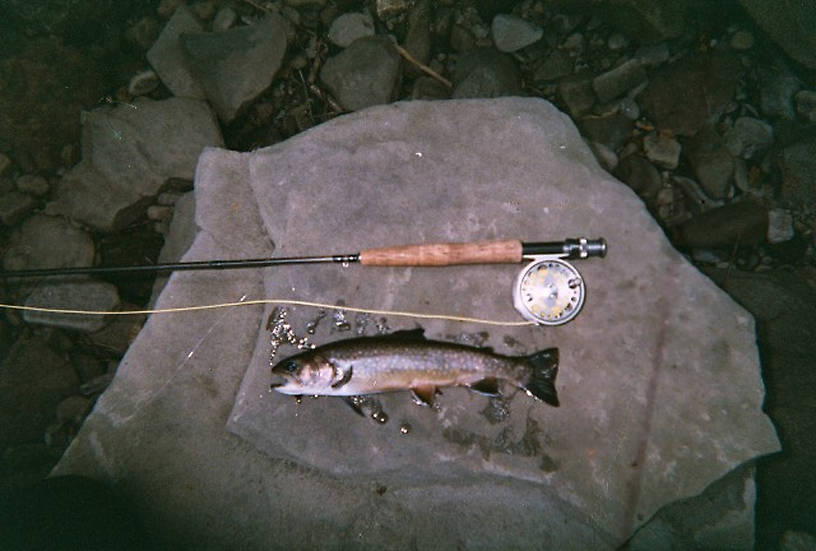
x: 430, y: 254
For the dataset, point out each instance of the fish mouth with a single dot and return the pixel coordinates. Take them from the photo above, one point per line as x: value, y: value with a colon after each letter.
x: 287, y: 386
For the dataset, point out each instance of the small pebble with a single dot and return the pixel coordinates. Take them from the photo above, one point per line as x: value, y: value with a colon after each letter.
x: 390, y: 8
x: 349, y: 27
x: 617, y: 42
x: 5, y: 163
x: 605, y: 155
x: 566, y: 23
x: 662, y: 150
x: 742, y: 40
x: 159, y: 213
x: 575, y: 41
x: 805, y: 105
x: 68, y: 155
x: 32, y: 184
x: 780, y: 226
x: 166, y: 8
x: 652, y: 55
x: 299, y: 62
x: 204, y: 10
x: 629, y: 108
x: 224, y: 19
x: 14, y: 206
x: 73, y: 409
x: 168, y: 198
x: 749, y: 137
x: 512, y: 33
x: 143, y: 83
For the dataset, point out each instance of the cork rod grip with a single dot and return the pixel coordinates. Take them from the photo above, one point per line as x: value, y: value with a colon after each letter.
x: 444, y: 254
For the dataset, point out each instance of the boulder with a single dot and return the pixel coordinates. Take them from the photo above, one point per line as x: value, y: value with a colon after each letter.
x: 659, y: 380
x: 129, y: 153
x: 236, y: 66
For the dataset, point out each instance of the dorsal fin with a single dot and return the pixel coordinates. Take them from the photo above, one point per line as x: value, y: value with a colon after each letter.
x: 415, y: 334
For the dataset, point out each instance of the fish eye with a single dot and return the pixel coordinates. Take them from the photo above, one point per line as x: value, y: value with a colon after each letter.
x: 291, y: 366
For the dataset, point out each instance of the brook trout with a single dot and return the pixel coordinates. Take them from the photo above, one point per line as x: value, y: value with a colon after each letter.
x: 406, y: 360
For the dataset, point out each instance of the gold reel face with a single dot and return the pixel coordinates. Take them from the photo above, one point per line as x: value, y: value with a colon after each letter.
x: 549, y: 291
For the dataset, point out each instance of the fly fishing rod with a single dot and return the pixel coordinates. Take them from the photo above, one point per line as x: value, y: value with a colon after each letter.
x: 548, y: 291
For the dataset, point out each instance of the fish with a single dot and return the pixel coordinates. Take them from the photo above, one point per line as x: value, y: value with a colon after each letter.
x: 406, y: 360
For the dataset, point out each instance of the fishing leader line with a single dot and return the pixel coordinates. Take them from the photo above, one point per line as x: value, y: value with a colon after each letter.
x: 291, y: 302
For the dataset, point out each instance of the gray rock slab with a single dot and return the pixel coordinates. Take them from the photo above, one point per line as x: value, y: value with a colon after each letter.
x: 48, y: 242
x: 236, y: 66
x: 167, y: 55
x: 364, y: 74
x: 653, y: 410
x: 129, y: 153
x: 75, y: 295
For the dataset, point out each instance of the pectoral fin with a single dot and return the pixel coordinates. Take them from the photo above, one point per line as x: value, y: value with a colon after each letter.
x: 346, y: 378
x: 424, y: 395
x: 488, y: 386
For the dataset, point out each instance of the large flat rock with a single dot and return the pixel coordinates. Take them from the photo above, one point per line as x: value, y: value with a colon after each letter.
x: 659, y: 383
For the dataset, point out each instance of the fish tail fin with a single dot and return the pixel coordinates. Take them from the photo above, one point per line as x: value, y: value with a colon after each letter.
x: 543, y: 369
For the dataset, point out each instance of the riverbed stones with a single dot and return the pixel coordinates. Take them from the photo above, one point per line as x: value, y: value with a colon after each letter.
x: 687, y: 351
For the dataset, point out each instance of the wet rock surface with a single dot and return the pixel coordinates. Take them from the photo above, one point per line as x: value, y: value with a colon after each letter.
x: 632, y: 76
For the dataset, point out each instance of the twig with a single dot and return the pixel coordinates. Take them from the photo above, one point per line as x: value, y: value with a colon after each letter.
x: 257, y: 6
x: 327, y: 98
x: 422, y: 67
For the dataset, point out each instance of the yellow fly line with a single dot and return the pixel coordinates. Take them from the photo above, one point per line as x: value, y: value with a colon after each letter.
x: 292, y: 302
